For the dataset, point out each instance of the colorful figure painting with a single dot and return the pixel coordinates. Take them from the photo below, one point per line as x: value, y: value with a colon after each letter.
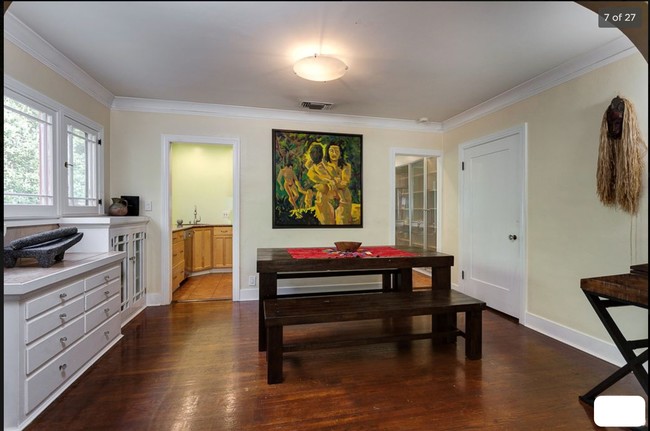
x: 316, y: 179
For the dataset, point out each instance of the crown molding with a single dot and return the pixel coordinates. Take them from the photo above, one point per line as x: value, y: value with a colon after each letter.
x: 230, y: 111
x: 26, y: 39
x: 599, y: 57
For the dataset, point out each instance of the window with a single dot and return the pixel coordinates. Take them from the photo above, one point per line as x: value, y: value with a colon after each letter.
x: 28, y: 155
x: 52, y: 157
x: 81, y: 165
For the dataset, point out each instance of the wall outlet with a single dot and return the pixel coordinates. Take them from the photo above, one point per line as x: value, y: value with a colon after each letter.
x: 148, y: 206
x: 252, y: 280
x: 225, y: 214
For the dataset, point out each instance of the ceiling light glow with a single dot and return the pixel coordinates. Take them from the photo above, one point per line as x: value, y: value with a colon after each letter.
x: 320, y: 68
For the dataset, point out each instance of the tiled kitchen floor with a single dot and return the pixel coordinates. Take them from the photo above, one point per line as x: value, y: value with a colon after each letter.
x: 206, y: 287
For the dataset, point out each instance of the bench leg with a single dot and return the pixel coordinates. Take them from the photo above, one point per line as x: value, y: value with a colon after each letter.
x: 443, y: 322
x: 274, y: 354
x: 473, y: 334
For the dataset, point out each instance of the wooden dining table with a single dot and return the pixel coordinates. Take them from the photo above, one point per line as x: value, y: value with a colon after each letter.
x: 394, y: 263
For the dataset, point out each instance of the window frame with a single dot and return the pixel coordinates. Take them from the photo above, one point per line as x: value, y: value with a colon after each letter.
x: 62, y: 117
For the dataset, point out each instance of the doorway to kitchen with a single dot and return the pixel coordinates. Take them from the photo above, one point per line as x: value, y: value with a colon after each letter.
x: 200, y: 207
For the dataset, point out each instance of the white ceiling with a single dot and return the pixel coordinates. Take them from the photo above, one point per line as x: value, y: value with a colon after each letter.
x: 407, y: 60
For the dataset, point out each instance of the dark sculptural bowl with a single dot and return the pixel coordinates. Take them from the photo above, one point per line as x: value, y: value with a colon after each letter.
x: 347, y: 246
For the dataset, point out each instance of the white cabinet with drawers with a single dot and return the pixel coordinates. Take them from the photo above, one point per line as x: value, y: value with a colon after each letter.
x: 57, y: 322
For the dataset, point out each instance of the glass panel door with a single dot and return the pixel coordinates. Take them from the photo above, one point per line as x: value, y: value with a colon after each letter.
x: 402, y: 206
x: 418, y: 207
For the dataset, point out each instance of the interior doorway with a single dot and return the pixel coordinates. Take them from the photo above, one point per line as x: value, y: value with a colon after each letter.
x: 416, y: 179
x: 199, y: 221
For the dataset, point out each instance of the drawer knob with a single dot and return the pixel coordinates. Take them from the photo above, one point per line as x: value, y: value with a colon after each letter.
x: 107, y: 278
x: 64, y: 339
x: 108, y: 292
x: 63, y: 315
x: 63, y: 367
x: 107, y: 310
x: 63, y: 295
x: 106, y: 333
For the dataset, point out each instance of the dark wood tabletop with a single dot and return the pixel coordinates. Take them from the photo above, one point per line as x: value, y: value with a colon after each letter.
x: 279, y: 260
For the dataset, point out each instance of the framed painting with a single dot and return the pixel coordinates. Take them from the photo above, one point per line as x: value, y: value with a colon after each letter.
x: 316, y: 180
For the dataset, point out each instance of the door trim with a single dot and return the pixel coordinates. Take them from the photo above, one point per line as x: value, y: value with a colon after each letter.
x: 418, y: 152
x: 166, y: 228
x: 522, y: 271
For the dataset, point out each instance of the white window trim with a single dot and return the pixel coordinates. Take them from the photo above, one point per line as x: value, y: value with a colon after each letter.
x: 12, y: 216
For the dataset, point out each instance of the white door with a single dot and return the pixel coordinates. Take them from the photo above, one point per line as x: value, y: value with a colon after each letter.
x: 492, y: 187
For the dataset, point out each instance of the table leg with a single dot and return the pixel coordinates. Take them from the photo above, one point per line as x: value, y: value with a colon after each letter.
x: 404, y: 282
x: 634, y: 363
x: 268, y: 290
x: 386, y: 282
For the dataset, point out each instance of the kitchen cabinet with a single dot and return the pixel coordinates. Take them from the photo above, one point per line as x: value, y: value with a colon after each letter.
x: 222, y: 247
x: 58, y: 322
x: 178, y: 259
x: 201, y: 249
x: 416, y: 204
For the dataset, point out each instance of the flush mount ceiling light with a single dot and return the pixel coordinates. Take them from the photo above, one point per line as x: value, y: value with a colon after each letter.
x: 321, y: 68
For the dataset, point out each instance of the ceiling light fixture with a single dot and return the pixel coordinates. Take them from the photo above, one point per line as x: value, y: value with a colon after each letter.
x: 321, y: 68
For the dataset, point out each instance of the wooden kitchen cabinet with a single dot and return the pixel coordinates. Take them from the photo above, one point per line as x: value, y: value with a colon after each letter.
x: 222, y: 247
x: 178, y: 259
x: 201, y: 249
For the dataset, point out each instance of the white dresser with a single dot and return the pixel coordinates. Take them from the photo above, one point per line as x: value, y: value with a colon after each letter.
x: 57, y: 322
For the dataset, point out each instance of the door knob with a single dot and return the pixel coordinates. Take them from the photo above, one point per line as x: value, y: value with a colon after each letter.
x: 512, y: 237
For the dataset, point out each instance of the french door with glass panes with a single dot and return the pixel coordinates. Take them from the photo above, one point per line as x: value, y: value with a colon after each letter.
x: 416, y: 206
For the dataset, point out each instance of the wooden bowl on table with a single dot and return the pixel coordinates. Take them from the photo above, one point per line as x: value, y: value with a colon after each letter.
x: 347, y: 246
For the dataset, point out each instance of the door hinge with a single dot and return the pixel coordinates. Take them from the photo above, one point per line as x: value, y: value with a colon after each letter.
x: 99, y: 141
x: 100, y: 202
x: 462, y: 166
x: 462, y: 275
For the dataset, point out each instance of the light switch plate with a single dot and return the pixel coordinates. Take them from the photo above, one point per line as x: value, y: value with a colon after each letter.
x: 252, y: 280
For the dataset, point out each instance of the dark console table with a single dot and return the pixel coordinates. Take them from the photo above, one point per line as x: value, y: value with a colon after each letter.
x: 616, y: 291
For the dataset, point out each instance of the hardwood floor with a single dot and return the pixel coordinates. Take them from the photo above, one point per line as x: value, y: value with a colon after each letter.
x: 195, y: 367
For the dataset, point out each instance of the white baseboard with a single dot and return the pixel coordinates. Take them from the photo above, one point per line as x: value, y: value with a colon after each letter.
x: 586, y: 343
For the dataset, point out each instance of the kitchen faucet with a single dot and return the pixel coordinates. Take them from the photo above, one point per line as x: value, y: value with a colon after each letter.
x: 197, y: 218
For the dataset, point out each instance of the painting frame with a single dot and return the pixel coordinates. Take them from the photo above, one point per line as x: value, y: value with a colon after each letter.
x: 317, y: 179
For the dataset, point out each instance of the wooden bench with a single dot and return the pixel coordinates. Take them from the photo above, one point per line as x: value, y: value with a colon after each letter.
x: 282, y: 312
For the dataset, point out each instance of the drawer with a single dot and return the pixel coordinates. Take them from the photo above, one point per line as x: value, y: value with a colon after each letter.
x: 178, y: 236
x: 178, y: 250
x: 60, y: 296
x: 54, y: 319
x: 102, y: 293
x: 102, y: 312
x: 48, y: 379
x: 223, y: 231
x: 103, y: 278
x: 41, y: 352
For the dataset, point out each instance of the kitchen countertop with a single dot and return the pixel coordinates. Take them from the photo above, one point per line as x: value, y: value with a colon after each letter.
x: 190, y: 226
x: 27, y: 276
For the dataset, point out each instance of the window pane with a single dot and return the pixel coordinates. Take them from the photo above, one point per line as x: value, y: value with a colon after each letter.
x: 28, y: 154
x: 82, y: 167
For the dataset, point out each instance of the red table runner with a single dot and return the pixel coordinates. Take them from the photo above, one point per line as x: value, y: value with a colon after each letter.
x: 333, y: 253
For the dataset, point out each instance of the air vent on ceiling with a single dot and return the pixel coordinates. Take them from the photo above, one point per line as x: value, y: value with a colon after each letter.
x: 317, y: 106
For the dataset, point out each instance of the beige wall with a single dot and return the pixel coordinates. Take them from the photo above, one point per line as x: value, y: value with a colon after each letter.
x: 137, y: 158
x: 201, y: 176
x: 570, y: 235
